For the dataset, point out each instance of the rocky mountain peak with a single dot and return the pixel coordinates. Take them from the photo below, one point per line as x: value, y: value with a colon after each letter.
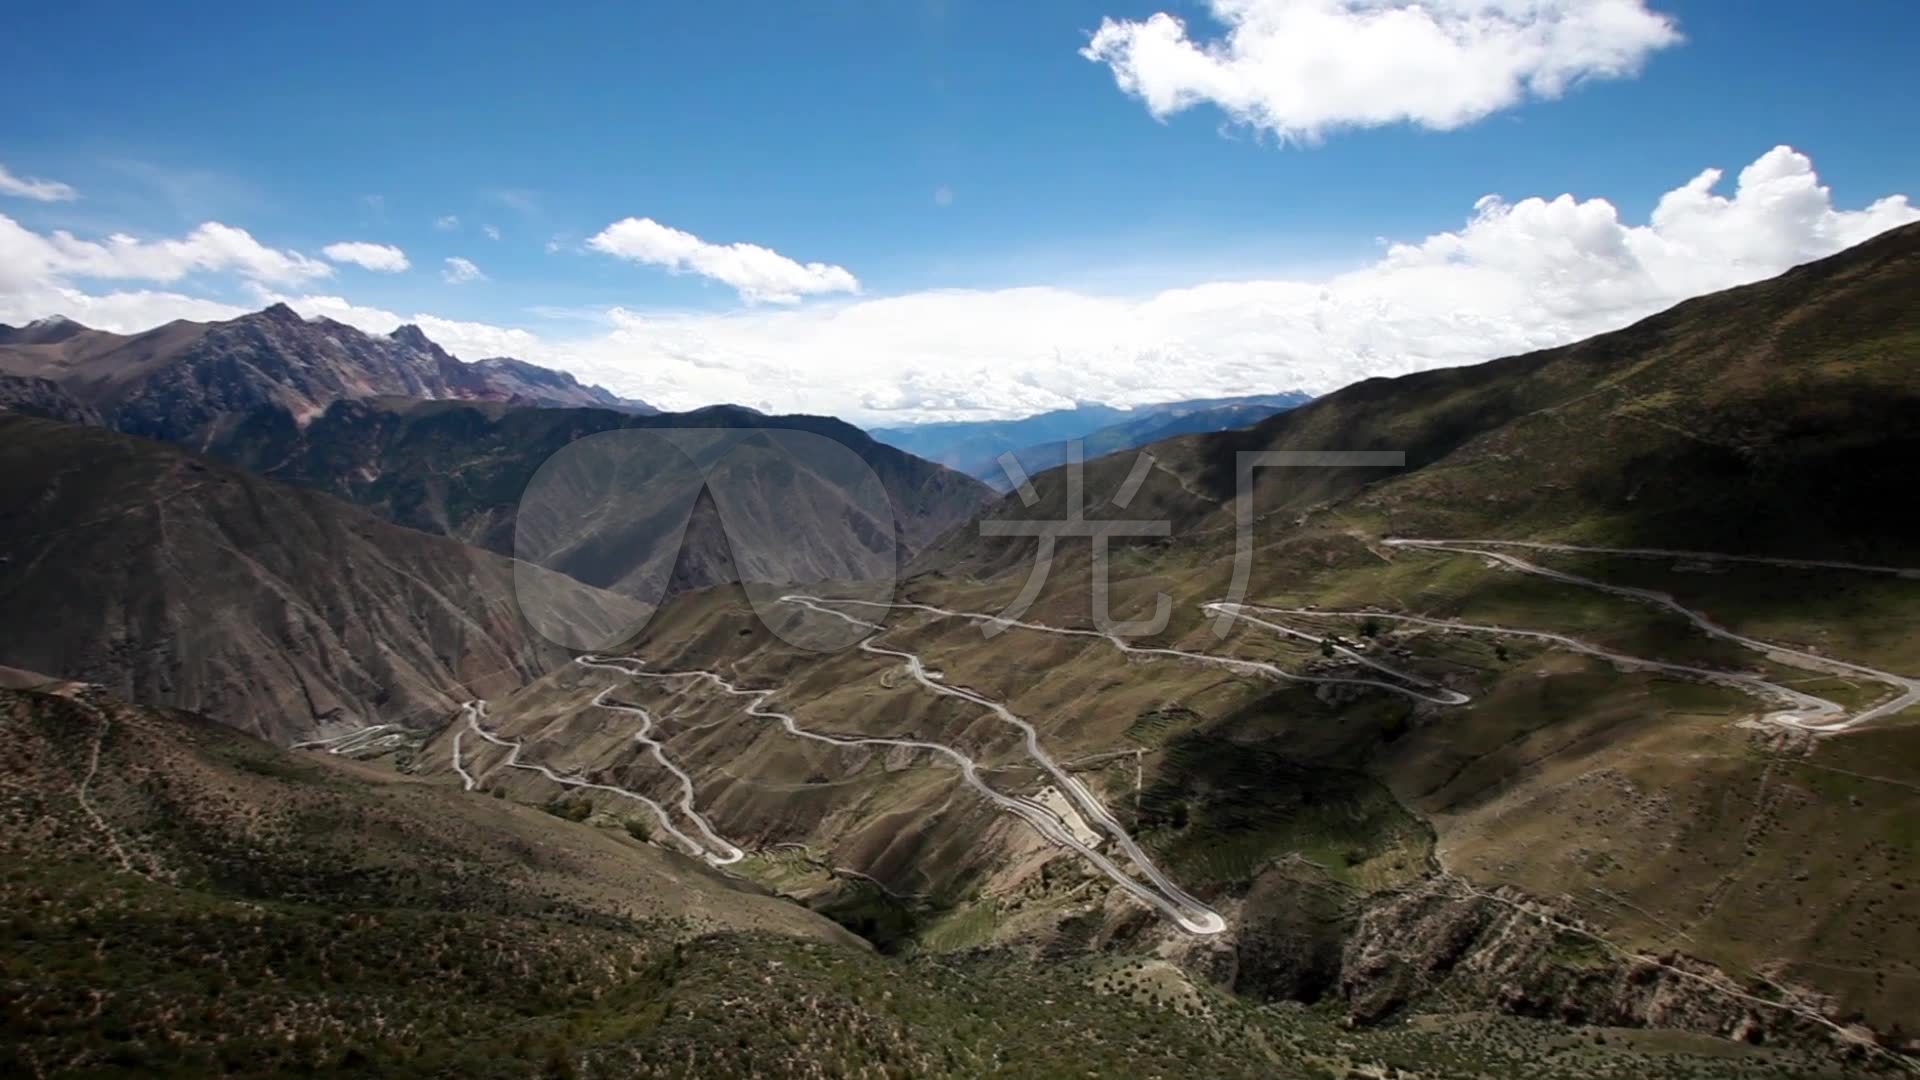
x: 413, y: 338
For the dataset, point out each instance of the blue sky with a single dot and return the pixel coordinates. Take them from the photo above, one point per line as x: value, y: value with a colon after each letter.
x: 921, y: 147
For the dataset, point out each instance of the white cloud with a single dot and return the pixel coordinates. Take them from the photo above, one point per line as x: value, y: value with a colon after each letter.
x: 459, y: 271
x: 27, y: 187
x: 447, y: 223
x: 1518, y: 275
x: 122, y: 312
x: 381, y: 258
x: 27, y: 256
x: 759, y: 274
x: 1302, y: 68
x: 492, y: 231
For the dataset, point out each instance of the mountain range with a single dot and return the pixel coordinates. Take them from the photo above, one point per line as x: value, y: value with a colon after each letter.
x: 1591, y: 708
x: 1039, y: 442
x: 461, y: 469
x: 1571, y: 733
x: 182, y: 381
x: 417, y: 437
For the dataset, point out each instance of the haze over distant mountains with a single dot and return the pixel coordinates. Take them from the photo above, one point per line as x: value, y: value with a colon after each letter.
x: 1040, y: 441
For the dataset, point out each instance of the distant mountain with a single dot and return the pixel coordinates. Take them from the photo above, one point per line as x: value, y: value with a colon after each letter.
x: 531, y: 384
x: 461, y: 469
x: 974, y: 447
x: 175, y: 580
x: 181, y: 381
x: 51, y: 330
x: 1159, y: 422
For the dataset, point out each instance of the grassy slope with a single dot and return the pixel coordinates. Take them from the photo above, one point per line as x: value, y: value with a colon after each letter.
x: 235, y: 909
x: 1758, y: 420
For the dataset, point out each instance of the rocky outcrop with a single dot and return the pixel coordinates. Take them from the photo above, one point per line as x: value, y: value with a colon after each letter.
x: 1519, y: 954
x: 507, y: 379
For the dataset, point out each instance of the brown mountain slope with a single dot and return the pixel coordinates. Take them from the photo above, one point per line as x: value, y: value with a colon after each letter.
x: 462, y: 469
x: 36, y: 396
x: 176, y: 580
x: 182, y: 900
x: 1547, y: 830
x: 181, y: 380
x: 180, y: 800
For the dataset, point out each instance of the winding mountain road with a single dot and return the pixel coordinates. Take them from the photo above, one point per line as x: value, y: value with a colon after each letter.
x: 473, y: 710
x: 1821, y: 717
x: 1799, y: 709
x: 1751, y: 684
x: 1187, y: 912
x: 1071, y: 786
x: 1439, y: 695
x: 1669, y: 553
x: 359, y: 739
x: 720, y: 851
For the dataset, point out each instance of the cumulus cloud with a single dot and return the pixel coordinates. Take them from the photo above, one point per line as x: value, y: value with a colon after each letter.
x: 1302, y: 68
x: 459, y: 271
x: 381, y: 258
x: 447, y: 222
x: 492, y: 231
x: 1518, y: 274
x: 27, y: 187
x: 123, y: 312
x: 30, y: 257
x: 759, y: 274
